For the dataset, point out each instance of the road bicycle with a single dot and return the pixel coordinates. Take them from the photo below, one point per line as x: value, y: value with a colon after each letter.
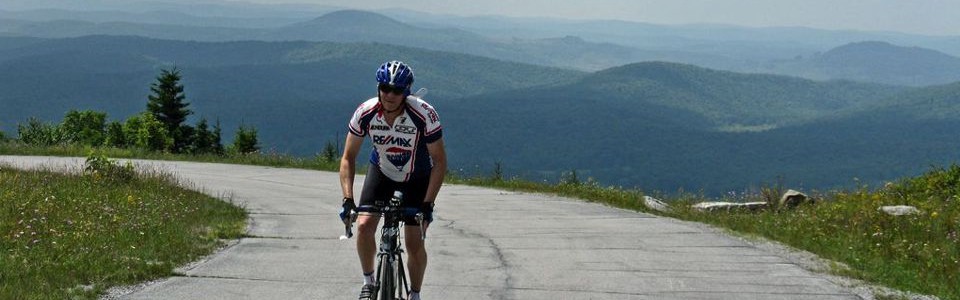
x: 391, y: 276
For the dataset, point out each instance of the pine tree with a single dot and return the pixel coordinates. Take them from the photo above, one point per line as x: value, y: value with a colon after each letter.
x: 246, y: 140
x: 217, y: 141
x: 204, y: 140
x: 329, y: 153
x: 168, y: 105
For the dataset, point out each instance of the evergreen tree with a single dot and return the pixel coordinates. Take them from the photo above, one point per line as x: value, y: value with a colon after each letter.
x: 329, y: 152
x: 204, y: 139
x: 168, y: 105
x: 217, y: 141
x: 246, y: 140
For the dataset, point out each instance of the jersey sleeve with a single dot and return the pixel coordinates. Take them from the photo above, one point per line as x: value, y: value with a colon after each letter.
x: 433, y: 129
x: 359, y: 123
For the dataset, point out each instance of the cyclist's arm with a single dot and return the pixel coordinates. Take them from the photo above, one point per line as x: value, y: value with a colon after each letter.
x: 348, y: 163
x: 439, y: 157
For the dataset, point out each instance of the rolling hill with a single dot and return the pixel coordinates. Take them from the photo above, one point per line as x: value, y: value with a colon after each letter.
x: 312, y: 87
x: 635, y: 142
x: 876, y: 61
x: 659, y: 126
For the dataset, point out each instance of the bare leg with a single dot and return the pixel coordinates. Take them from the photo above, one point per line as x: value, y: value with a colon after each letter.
x: 366, y: 240
x: 416, y: 255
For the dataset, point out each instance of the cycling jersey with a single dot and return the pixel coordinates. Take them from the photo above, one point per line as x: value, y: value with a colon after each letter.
x: 399, y: 149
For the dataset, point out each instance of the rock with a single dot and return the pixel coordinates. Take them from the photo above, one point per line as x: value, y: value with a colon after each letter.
x: 900, y: 210
x: 655, y: 204
x: 793, y: 198
x: 728, y: 206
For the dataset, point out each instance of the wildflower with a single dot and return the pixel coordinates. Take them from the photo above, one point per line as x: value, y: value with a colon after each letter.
x: 933, y: 215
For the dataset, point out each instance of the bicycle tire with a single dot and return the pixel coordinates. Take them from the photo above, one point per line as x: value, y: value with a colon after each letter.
x: 388, y: 289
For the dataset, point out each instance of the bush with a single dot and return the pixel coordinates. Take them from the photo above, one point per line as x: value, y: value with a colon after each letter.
x: 146, y: 132
x: 115, y: 136
x: 39, y: 133
x: 100, y: 166
x: 85, y: 127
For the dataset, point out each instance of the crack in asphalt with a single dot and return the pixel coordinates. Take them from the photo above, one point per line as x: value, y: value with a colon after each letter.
x: 239, y: 278
x: 497, y: 293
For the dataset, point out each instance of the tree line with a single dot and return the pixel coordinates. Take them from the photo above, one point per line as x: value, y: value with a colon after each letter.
x: 161, y: 127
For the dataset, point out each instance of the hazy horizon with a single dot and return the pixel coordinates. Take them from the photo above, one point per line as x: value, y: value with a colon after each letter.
x: 929, y: 17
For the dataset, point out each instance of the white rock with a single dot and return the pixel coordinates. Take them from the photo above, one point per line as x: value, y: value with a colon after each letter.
x: 713, y: 206
x: 655, y: 204
x: 900, y: 210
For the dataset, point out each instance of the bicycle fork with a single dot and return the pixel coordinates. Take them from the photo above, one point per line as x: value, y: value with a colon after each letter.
x: 391, y: 271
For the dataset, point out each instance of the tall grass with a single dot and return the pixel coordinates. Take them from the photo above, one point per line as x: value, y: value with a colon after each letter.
x: 67, y: 236
x: 918, y: 253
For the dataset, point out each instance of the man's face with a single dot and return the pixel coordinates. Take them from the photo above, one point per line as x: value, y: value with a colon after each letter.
x: 390, y: 97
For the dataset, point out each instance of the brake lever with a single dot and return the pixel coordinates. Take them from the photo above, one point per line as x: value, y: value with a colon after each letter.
x: 423, y: 229
x: 348, y: 226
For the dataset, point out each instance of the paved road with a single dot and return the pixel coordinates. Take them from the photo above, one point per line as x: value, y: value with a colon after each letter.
x: 485, y: 244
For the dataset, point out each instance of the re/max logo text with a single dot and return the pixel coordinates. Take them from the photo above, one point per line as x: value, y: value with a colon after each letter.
x: 391, y: 140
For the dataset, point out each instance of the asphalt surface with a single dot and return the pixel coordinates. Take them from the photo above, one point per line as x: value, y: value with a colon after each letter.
x: 484, y: 244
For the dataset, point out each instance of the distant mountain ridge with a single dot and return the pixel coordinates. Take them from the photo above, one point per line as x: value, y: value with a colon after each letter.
x: 588, y: 45
x: 730, y: 99
x: 655, y: 125
x: 875, y: 61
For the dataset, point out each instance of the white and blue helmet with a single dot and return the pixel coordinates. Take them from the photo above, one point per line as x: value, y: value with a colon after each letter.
x: 396, y: 74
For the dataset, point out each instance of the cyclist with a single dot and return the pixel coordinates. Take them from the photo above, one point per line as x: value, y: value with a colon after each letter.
x: 408, y: 155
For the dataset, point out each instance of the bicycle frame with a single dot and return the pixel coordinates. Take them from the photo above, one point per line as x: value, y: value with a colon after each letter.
x: 391, y: 276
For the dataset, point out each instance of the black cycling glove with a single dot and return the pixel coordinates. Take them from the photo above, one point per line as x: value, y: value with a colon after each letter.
x: 426, y: 208
x: 347, y: 209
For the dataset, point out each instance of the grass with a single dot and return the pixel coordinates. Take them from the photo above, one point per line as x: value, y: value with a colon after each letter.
x: 72, y: 236
x: 919, y: 253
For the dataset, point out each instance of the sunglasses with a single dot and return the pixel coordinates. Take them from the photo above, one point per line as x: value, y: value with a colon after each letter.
x: 388, y: 89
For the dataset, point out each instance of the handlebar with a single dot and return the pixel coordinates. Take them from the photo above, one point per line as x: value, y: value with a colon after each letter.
x: 404, y: 212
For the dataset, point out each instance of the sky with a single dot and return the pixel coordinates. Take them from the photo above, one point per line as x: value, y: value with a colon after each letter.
x: 932, y: 17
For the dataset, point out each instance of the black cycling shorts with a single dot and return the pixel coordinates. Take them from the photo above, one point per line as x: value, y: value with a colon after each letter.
x: 377, y: 187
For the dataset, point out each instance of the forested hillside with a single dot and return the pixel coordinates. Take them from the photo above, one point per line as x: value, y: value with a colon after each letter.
x: 654, y: 125
x: 876, y: 61
x: 298, y: 94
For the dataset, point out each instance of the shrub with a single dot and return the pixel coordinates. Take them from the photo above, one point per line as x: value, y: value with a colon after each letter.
x: 86, y: 127
x: 115, y: 136
x: 40, y: 133
x: 146, y: 132
x: 100, y: 166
